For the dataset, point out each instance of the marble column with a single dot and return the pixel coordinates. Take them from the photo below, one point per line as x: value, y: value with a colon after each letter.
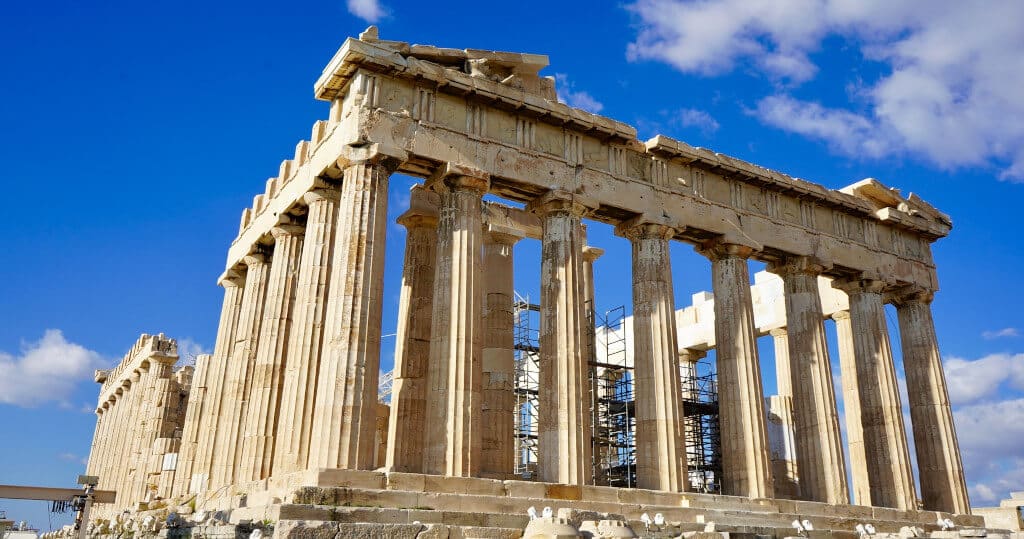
x: 660, y: 451
x: 859, y: 487
x: 781, y: 427
x: 345, y: 414
x: 305, y: 339
x: 745, y: 454
x: 938, y: 453
x: 212, y: 420
x: 132, y: 399
x: 499, y: 370
x: 881, y: 413
x: 819, y: 446
x: 407, y: 425
x: 564, y: 447
x: 268, y: 369
x: 239, y: 369
x: 98, y: 434
x: 590, y: 255
x: 195, y: 410
x: 455, y: 372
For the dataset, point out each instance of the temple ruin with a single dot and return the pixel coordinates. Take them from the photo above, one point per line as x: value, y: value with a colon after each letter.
x: 283, y: 420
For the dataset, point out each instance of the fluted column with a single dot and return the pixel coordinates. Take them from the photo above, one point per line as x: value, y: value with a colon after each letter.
x: 745, y: 455
x: 660, y: 453
x: 132, y: 399
x: 154, y: 410
x: 197, y: 408
x: 407, y: 425
x: 881, y: 414
x: 305, y: 338
x: 938, y: 452
x: 819, y: 447
x: 498, y: 356
x: 453, y: 445
x: 239, y: 369
x: 212, y: 421
x: 345, y: 414
x: 780, y: 412
x: 98, y: 434
x: 590, y: 255
x: 859, y: 487
x: 268, y: 369
x: 564, y: 447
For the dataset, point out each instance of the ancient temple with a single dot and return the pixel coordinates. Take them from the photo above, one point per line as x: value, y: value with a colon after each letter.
x: 283, y: 419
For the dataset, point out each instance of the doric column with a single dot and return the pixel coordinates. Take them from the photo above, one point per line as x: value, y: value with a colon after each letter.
x: 132, y: 401
x: 780, y: 343
x: 499, y: 369
x: 196, y: 409
x: 268, y: 369
x: 590, y: 255
x: 453, y: 443
x: 819, y: 446
x: 345, y: 417
x: 745, y: 455
x: 938, y: 453
x: 564, y: 433
x: 407, y: 426
x: 851, y: 410
x: 305, y: 338
x: 239, y: 371
x: 881, y: 414
x: 660, y: 453
x: 780, y: 422
x: 212, y: 420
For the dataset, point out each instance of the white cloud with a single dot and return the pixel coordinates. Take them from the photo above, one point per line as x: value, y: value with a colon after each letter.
x: 1005, y: 332
x: 189, y: 349
x: 46, y: 370
x: 697, y: 118
x: 368, y: 10
x: 948, y: 92
x: 573, y: 98
x: 972, y: 380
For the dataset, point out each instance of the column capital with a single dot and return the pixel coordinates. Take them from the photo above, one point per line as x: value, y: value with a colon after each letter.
x: 909, y: 294
x: 641, y: 228
x: 501, y: 235
x: 561, y: 202
x: 859, y: 285
x: 591, y: 253
x: 287, y: 229
x: 692, y: 355
x: 840, y: 315
x: 779, y: 332
x: 323, y: 191
x: 718, y: 249
x: 417, y: 219
x: 255, y: 259
x: 799, y: 264
x: 383, y: 155
x: 231, y: 277
x: 459, y: 178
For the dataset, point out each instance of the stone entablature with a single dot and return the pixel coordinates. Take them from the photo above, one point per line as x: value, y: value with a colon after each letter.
x: 529, y: 143
x: 148, y: 347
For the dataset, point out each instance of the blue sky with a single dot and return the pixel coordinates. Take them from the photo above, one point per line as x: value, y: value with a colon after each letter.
x: 135, y: 132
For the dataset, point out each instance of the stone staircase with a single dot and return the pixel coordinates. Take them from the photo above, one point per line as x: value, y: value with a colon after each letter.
x: 343, y: 503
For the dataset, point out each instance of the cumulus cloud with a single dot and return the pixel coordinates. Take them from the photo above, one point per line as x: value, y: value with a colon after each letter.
x: 45, y: 370
x: 969, y: 381
x: 189, y: 349
x: 697, y: 118
x: 1005, y: 332
x: 368, y: 10
x: 948, y: 91
x: 576, y: 98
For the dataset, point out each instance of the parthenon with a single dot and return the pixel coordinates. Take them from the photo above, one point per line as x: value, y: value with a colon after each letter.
x: 283, y: 419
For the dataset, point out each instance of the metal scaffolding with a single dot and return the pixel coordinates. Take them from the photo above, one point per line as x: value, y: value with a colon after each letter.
x: 612, y: 401
x: 703, y: 442
x: 526, y: 331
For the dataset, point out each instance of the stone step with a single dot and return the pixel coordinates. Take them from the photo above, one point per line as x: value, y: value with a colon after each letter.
x: 311, y: 529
